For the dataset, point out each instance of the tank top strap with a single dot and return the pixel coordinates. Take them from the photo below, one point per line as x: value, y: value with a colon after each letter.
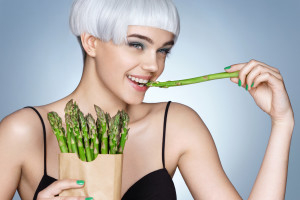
x: 44, y: 133
x: 164, y: 133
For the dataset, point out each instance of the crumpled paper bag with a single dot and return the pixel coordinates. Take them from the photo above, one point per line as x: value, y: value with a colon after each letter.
x: 102, y: 176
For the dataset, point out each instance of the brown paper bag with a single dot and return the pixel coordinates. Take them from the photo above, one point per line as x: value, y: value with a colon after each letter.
x: 102, y: 176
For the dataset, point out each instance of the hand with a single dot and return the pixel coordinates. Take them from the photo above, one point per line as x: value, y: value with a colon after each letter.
x: 57, y: 187
x: 268, y: 90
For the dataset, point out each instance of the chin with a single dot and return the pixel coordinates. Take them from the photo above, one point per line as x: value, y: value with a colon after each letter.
x: 134, y: 100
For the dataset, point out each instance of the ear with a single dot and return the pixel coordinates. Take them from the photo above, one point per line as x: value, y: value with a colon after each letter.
x: 89, y: 44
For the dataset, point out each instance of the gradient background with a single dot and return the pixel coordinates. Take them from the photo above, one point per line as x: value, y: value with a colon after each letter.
x: 39, y: 55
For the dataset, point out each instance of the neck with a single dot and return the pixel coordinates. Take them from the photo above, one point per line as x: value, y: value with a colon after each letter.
x: 92, y: 91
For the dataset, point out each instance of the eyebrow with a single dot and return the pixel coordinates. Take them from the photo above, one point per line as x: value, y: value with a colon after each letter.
x: 149, y: 40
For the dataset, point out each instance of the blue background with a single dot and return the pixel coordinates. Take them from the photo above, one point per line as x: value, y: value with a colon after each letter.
x: 39, y: 55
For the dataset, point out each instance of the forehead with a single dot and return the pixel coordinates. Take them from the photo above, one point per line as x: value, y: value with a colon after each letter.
x: 156, y: 34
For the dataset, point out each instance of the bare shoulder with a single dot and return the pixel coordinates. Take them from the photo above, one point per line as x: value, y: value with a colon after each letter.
x: 20, y: 127
x: 20, y: 122
x: 199, y: 160
x: 17, y: 142
x: 185, y: 127
x: 182, y: 121
x: 188, y: 127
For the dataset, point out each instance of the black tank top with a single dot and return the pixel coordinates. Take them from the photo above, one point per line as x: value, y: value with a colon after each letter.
x: 157, y: 185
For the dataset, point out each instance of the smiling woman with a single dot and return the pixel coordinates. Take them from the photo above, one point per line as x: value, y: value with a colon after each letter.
x: 125, y: 45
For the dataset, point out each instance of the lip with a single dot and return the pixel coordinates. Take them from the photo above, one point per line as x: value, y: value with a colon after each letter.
x: 135, y: 86
x: 140, y: 76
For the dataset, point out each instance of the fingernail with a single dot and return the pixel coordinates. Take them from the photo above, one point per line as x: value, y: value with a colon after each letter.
x: 246, y: 87
x: 80, y: 182
x: 252, y: 84
x: 89, y: 198
x: 240, y: 82
x: 227, y: 67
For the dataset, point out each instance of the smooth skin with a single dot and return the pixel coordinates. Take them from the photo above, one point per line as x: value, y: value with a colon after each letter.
x: 189, y: 145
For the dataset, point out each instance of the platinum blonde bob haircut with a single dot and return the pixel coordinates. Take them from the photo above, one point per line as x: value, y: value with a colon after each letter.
x: 109, y: 19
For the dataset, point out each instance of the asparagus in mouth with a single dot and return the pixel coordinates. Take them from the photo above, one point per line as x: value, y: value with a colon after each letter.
x: 138, y: 81
x: 192, y: 80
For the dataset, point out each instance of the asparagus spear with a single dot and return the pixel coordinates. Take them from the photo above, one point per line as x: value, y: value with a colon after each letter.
x: 56, y: 128
x: 77, y: 132
x: 104, y: 129
x: 84, y: 130
x: 94, y: 135
x: 192, y: 80
x: 70, y: 132
x: 63, y: 132
x: 98, y: 125
x: 90, y: 140
x: 124, y: 132
x: 113, y: 132
x: 68, y: 112
x: 118, y: 134
x: 109, y: 122
x: 91, y: 147
x: 81, y: 148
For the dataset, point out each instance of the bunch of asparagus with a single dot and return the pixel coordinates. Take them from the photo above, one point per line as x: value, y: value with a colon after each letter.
x: 84, y: 134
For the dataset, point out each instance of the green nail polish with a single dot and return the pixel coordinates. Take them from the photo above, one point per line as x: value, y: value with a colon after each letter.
x: 227, y: 67
x: 252, y: 84
x: 89, y: 198
x: 240, y: 82
x: 246, y: 87
x: 80, y: 182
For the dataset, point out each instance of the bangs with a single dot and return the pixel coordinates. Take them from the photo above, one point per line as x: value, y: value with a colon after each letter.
x: 153, y: 13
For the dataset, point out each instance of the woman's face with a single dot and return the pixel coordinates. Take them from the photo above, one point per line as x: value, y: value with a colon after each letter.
x: 143, y: 57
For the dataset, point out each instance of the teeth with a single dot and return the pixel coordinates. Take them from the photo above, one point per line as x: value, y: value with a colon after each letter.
x: 139, y: 80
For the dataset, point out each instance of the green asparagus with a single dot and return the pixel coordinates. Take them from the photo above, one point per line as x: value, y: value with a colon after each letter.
x: 192, y: 80
x: 84, y: 130
x: 88, y: 137
x: 94, y: 134
x: 56, y: 128
x: 104, y: 129
x: 124, y: 131
x: 113, y: 132
x: 77, y: 131
x: 68, y: 112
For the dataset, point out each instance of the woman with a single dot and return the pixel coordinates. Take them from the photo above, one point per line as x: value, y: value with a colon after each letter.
x: 134, y: 39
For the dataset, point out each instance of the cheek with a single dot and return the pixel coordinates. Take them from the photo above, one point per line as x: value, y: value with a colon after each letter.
x: 161, y: 65
x: 113, y: 64
x: 124, y: 61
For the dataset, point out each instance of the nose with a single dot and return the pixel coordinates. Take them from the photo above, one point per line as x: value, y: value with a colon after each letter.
x: 150, y: 63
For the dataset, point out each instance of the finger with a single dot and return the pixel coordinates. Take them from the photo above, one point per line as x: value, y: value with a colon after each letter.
x: 235, y: 80
x: 257, y: 70
x: 268, y: 66
x: 58, y: 186
x: 271, y: 80
x: 238, y: 67
x: 245, y: 69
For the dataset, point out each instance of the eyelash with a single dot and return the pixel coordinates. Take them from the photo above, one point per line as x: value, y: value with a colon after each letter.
x: 136, y: 44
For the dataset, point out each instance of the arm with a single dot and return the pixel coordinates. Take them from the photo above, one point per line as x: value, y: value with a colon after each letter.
x: 11, y: 155
x: 202, y: 171
x: 265, y: 84
x: 271, y: 179
x: 17, y: 134
x: 199, y: 162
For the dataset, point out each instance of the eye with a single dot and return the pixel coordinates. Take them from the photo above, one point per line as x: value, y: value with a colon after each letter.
x: 136, y: 45
x: 165, y: 51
